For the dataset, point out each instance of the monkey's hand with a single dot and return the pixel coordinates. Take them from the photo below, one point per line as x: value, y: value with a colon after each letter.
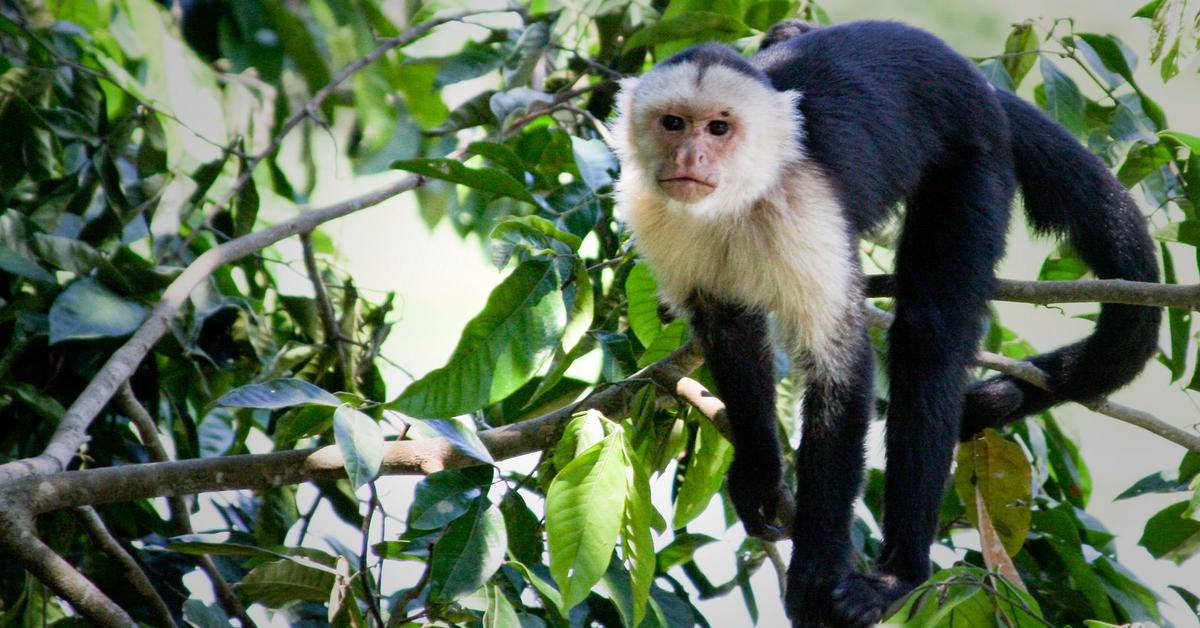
x: 761, y: 499
x: 865, y: 599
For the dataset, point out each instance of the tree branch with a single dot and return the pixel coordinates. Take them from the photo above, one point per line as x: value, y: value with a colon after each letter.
x: 1081, y: 291
x: 128, y: 404
x: 310, y: 108
x: 333, y: 336
x: 19, y: 541
x: 105, y: 542
x: 72, y: 428
x: 1027, y: 372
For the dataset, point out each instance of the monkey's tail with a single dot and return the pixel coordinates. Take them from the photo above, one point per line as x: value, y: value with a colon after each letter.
x: 1069, y: 192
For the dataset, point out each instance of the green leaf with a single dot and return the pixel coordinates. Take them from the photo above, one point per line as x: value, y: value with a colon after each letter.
x: 499, y: 612
x: 463, y: 438
x: 488, y: 180
x: 1183, y: 139
x: 523, y: 527
x: 1058, y: 527
x: 667, y: 340
x: 595, y: 161
x: 1171, y: 534
x: 689, y: 25
x: 550, y: 596
x: 762, y: 15
x: 278, y: 393
x: 467, y: 555
x: 21, y: 266
x: 706, y: 471
x: 584, y: 430
x: 500, y: 349
x: 681, y: 549
x: 1064, y: 101
x: 585, y: 505
x: 506, y: 106
x: 532, y: 236
x: 282, y: 582
x: 441, y: 498
x: 1020, y: 53
x: 86, y: 309
x: 465, y: 66
x: 245, y: 207
x: 1108, y: 56
x: 359, y: 438
x: 78, y: 257
x: 529, y: 49
x: 302, y: 422
x: 1002, y: 473
x: 641, y: 290
x: 636, y: 539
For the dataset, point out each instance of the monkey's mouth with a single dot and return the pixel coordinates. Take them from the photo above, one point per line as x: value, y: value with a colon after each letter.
x: 685, y: 181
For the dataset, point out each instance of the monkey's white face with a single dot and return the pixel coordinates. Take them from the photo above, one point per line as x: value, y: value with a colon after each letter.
x: 710, y: 141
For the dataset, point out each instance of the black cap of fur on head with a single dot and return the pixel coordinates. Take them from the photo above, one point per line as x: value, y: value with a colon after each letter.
x: 705, y: 55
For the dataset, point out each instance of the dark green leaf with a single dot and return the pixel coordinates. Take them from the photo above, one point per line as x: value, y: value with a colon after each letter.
x: 441, y: 498
x: 282, y: 582
x: 761, y: 15
x: 1064, y: 101
x: 278, y: 393
x: 465, y: 66
x: 686, y: 26
x: 86, y: 309
x: 1170, y: 534
x: 470, y: 551
x: 489, y: 180
x: 705, y: 474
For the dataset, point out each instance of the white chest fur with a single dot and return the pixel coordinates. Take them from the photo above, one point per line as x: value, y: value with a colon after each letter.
x: 789, y: 255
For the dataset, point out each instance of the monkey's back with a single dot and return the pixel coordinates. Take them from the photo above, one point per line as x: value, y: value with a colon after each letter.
x: 869, y: 91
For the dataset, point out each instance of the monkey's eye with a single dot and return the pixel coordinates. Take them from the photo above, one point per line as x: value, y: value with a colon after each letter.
x: 672, y: 123
x: 718, y: 127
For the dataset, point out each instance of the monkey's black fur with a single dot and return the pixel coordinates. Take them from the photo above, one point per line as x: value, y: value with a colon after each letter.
x: 892, y: 115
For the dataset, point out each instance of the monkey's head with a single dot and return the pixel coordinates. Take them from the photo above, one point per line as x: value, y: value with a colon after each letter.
x: 705, y: 131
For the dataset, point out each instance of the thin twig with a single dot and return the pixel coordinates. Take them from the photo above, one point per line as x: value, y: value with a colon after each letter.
x: 309, y: 110
x: 364, y: 571
x: 333, y: 335
x: 177, y: 508
x: 105, y: 542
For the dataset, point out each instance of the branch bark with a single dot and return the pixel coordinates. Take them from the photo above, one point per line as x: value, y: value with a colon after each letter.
x: 1081, y: 291
x: 105, y: 542
x: 1028, y: 372
x: 177, y: 508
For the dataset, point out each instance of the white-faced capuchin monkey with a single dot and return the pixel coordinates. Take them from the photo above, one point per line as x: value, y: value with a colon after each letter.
x: 746, y: 183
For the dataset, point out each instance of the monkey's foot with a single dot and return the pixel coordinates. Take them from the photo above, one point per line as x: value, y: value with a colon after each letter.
x: 865, y: 599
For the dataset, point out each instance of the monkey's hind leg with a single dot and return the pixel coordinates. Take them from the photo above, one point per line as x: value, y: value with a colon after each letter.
x: 953, y: 236
x: 829, y: 473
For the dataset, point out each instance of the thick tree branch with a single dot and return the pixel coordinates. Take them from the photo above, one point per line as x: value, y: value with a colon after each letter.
x: 19, y: 542
x: 105, y: 542
x: 1081, y: 291
x: 177, y: 508
x: 72, y: 429
x: 54, y: 491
